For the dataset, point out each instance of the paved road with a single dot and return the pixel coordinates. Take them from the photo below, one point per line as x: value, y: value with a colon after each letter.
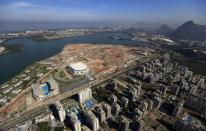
x: 42, y: 107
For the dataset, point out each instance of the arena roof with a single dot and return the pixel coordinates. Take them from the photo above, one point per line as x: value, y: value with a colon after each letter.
x: 78, y: 66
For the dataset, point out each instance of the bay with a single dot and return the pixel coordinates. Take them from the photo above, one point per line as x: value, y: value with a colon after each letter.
x: 34, y: 51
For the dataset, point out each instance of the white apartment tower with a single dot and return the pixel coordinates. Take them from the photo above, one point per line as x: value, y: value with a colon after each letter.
x: 85, y: 95
x: 61, y: 111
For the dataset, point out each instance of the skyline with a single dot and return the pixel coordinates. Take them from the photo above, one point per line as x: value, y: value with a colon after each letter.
x: 110, y: 11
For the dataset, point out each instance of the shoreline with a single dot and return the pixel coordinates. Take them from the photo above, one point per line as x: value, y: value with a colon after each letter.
x: 19, y: 46
x: 112, y: 57
x: 43, y: 56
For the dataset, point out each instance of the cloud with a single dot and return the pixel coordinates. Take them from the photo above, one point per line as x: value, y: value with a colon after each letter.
x: 35, y: 12
x: 103, y: 6
x: 21, y: 5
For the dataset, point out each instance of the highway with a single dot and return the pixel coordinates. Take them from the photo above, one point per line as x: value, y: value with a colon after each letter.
x: 43, y: 107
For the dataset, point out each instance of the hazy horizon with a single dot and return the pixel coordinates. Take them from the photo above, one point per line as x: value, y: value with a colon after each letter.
x: 17, y: 15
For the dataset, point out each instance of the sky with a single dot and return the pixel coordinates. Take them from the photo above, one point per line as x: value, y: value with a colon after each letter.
x: 122, y: 11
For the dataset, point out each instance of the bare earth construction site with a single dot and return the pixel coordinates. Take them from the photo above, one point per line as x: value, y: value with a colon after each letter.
x: 101, y: 60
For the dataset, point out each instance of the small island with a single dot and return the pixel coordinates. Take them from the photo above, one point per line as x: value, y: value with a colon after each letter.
x: 2, y: 49
x: 5, y: 49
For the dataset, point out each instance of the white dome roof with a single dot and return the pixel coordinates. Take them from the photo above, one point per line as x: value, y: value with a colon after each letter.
x: 78, y: 66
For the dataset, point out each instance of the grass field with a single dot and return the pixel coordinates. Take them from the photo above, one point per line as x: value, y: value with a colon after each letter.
x: 195, y: 65
x: 44, y: 126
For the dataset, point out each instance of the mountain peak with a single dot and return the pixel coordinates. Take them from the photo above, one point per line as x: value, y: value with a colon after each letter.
x: 189, y: 31
x: 163, y: 29
x: 188, y: 23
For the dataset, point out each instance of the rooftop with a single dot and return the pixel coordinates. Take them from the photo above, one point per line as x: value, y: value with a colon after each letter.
x: 78, y: 66
x: 190, y: 120
x: 37, y: 90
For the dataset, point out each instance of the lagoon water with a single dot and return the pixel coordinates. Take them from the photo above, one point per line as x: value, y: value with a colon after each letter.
x: 33, y: 51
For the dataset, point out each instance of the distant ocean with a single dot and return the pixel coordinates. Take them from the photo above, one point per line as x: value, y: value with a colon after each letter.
x: 12, y: 26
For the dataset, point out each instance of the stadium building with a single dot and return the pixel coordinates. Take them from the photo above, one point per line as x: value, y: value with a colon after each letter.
x: 40, y: 91
x: 78, y: 68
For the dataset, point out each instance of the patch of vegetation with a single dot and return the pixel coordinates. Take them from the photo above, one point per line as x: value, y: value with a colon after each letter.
x: 44, y: 126
x: 58, y: 129
x: 1, y: 104
x: 194, y: 60
x: 190, y: 53
x: 100, y: 94
x: 62, y: 74
x: 70, y: 83
x: 38, y: 38
x: 194, y: 65
x: 147, y: 87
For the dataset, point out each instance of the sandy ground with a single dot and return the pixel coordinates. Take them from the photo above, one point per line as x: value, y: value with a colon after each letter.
x: 101, y: 59
x: 17, y: 105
